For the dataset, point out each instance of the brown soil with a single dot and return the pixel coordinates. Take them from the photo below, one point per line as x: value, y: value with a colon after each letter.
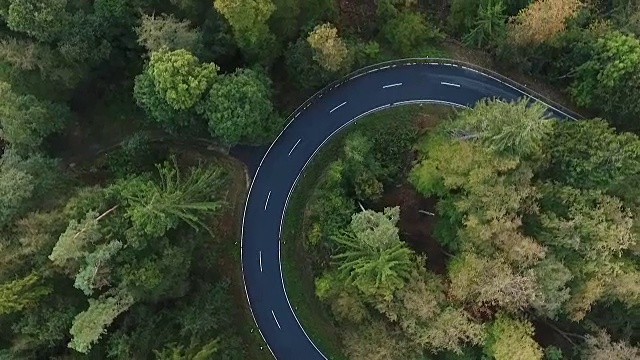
x: 228, y: 229
x: 416, y: 228
x: 357, y: 15
x: 546, y: 335
x: 432, y: 116
x: 438, y: 9
x: 228, y: 225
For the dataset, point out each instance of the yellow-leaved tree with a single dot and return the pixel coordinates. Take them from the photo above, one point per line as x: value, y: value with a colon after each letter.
x: 541, y: 20
x: 329, y: 49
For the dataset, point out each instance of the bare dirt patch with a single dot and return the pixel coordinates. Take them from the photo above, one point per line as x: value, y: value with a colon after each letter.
x: 438, y: 9
x: 416, y: 228
x: 228, y: 229
x: 431, y: 116
x: 356, y: 15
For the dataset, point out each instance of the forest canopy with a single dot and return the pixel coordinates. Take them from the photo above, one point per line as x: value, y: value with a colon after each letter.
x: 526, y: 247
x: 119, y: 191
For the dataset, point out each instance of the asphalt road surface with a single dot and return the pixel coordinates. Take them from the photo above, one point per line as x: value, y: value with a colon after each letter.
x: 288, y: 155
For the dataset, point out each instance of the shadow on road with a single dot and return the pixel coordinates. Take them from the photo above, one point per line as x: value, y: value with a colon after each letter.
x: 249, y: 155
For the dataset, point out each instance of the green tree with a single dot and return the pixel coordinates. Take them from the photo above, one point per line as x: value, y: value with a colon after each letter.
x: 218, y: 40
x: 25, y: 54
x: 518, y: 128
x: 25, y: 121
x: 489, y: 27
x: 73, y: 243
x: 371, y: 255
x: 408, y: 32
x: 170, y: 86
x: 510, y: 339
x: 28, y: 55
x: 248, y: 19
x: 25, y: 179
x: 157, y: 206
x: 592, y: 155
x: 425, y: 316
x: 346, y: 304
x: 485, y: 282
x: 83, y: 44
x: 21, y: 294
x: 330, y: 51
x: 361, y: 167
x: 601, y: 347
x: 553, y: 280
x: 285, y: 20
x: 161, y: 275
x: 485, y: 196
x: 553, y: 353
x: 606, y: 81
x: 16, y: 187
x: 91, y: 324
x: 156, y: 106
x: 388, y: 9
x: 319, y: 11
x: 452, y: 329
x: 45, y: 20
x: 463, y: 14
x: 95, y: 273
x: 48, y: 324
x: 376, y: 341
x: 71, y: 41
x: 588, y: 232
x: 625, y: 287
x: 304, y: 71
x: 239, y: 109
x: 332, y: 209
x: 195, y: 352
x: 180, y: 78
x: 165, y: 31
x: 33, y: 235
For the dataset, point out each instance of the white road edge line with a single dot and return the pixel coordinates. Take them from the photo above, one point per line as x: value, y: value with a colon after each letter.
x: 276, y: 319
x: 449, y: 84
x: 535, y: 95
x: 286, y: 202
x: 280, y: 243
x: 294, y: 146
x: 260, y: 259
x: 267, y: 202
x: 335, y: 108
x: 391, y: 85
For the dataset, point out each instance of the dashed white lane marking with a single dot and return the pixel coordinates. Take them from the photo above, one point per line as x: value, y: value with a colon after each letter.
x: 267, y: 202
x: 335, y: 108
x: 391, y: 85
x: 276, y: 319
x: 449, y: 84
x: 294, y: 146
x: 260, y: 259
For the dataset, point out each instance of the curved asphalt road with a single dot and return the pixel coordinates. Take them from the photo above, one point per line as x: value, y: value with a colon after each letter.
x: 289, y: 154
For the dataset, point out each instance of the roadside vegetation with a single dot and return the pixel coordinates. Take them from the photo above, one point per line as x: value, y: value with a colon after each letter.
x: 509, y: 235
x: 120, y: 207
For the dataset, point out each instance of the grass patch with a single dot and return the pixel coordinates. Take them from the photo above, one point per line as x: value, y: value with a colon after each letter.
x: 297, y: 266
